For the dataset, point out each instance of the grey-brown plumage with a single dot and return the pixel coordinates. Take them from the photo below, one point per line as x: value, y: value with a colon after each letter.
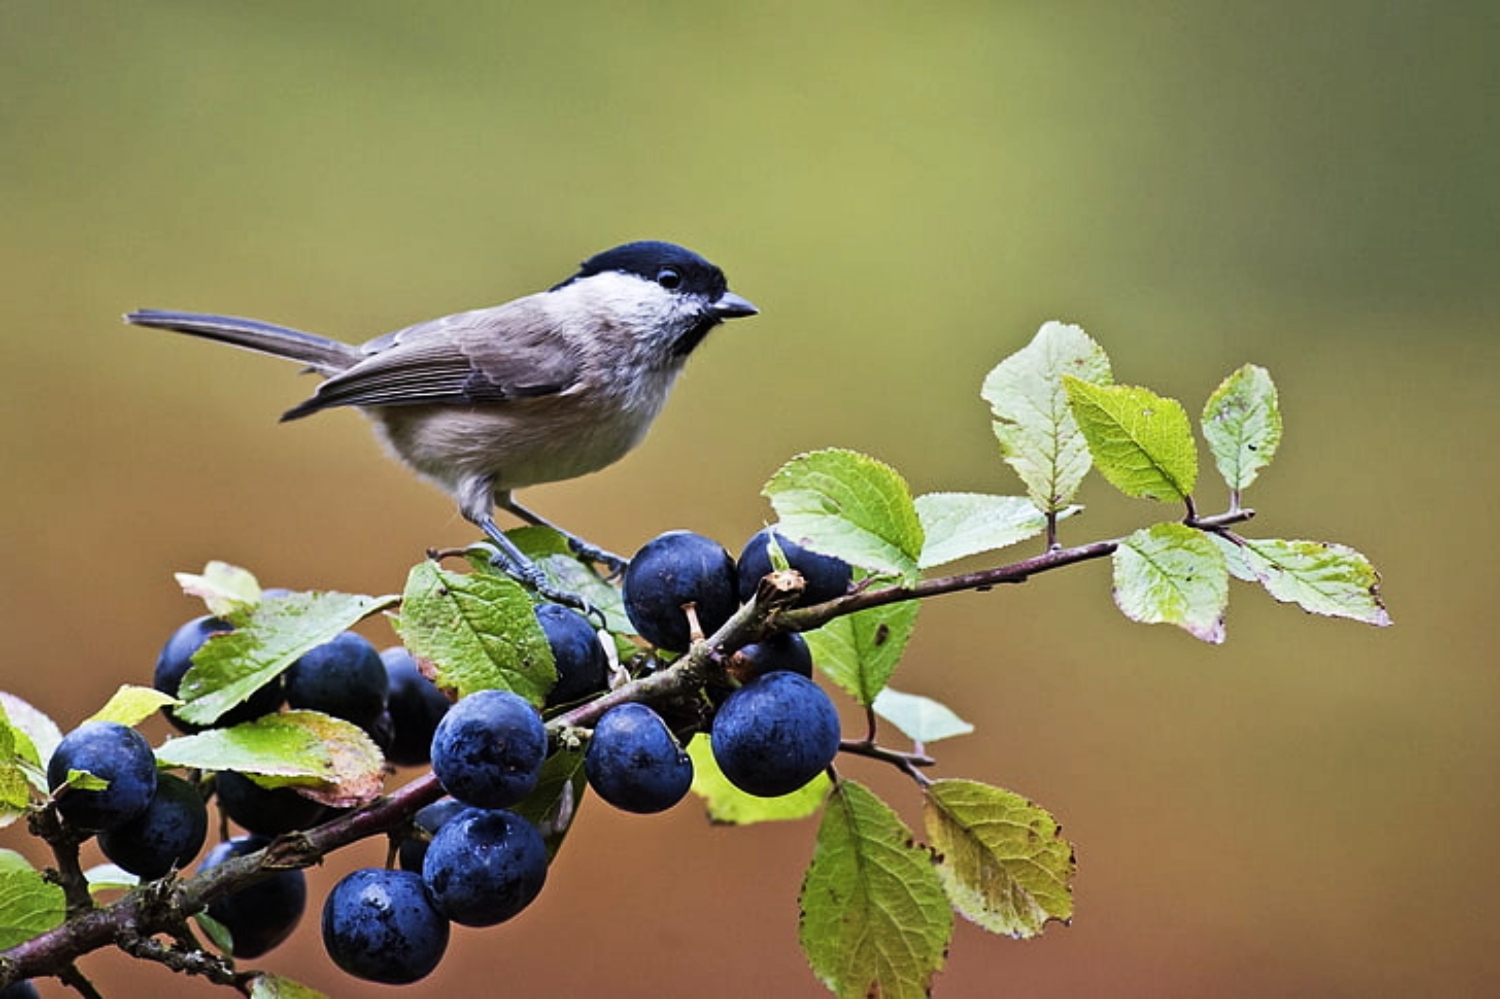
x: 543, y: 388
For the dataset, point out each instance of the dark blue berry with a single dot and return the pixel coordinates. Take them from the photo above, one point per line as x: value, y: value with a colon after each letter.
x: 113, y: 753
x: 787, y: 651
x: 674, y: 569
x: 344, y: 678
x: 825, y: 576
x: 775, y: 734
x: 582, y: 666
x: 165, y: 837
x: 416, y: 706
x: 634, y: 763
x: 483, y: 867
x: 379, y: 925
x: 262, y: 915
x: 263, y: 810
x: 488, y: 749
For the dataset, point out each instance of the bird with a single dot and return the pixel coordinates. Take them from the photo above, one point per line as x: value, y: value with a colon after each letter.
x: 543, y: 388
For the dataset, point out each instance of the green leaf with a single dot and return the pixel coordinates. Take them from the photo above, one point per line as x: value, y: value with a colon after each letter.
x: 131, y: 705
x: 326, y: 758
x: 81, y: 780
x: 1242, y: 424
x: 553, y: 803
x: 1038, y: 434
x: 1003, y: 861
x: 1173, y: 574
x: 874, y: 917
x: 957, y: 525
x: 478, y: 631
x: 1141, y: 441
x: 29, y: 904
x: 1319, y: 577
x: 15, y: 790
x: 226, y: 589
x: 860, y: 651
x: 847, y: 504
x: 729, y: 805
x: 231, y: 666
x: 920, y: 719
x: 218, y: 934
x: 37, y: 735
x: 268, y: 986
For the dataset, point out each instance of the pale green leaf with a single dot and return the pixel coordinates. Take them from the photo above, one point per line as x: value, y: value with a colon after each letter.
x: 37, y: 734
x: 225, y: 588
x: 131, y: 705
x: 957, y: 525
x: 81, y: 780
x: 29, y: 904
x: 1142, y: 442
x: 1242, y: 424
x: 109, y: 877
x: 1038, y: 434
x: 1173, y: 574
x: 1319, y: 577
x: 1003, y: 861
x: 232, y: 665
x: 478, y: 631
x: 860, y: 651
x: 15, y: 789
x: 920, y: 719
x: 848, y: 504
x: 875, y: 920
x: 268, y: 986
x: 1236, y: 558
x: 729, y: 805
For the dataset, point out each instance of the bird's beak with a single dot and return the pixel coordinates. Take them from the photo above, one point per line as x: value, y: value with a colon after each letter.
x: 732, y: 306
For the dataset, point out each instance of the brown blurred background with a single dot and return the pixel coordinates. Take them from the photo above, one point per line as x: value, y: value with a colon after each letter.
x: 907, y: 191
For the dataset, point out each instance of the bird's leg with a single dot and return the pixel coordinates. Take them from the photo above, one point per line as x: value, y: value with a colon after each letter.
x: 583, y: 549
x: 513, y: 562
x: 476, y: 499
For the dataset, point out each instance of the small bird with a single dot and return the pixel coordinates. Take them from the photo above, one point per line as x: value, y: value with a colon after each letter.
x: 540, y: 389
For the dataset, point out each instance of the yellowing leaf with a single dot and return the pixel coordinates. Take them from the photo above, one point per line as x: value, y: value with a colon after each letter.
x: 1002, y: 860
x: 1173, y: 574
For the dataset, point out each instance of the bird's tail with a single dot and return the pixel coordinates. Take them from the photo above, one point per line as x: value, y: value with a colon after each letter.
x: 325, y: 356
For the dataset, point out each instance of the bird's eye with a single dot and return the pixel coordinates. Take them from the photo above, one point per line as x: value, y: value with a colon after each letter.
x: 668, y: 278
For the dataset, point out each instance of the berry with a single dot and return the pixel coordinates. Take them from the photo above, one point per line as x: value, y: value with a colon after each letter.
x: 426, y: 823
x: 582, y: 666
x: 787, y: 651
x: 263, y: 810
x: 825, y: 576
x: 263, y: 914
x: 344, y: 678
x: 113, y: 753
x: 483, y: 867
x: 165, y: 837
x: 678, y: 568
x: 488, y: 749
x: 379, y: 925
x: 416, y: 706
x: 20, y: 990
x: 634, y: 763
x: 775, y: 734
x: 177, y: 658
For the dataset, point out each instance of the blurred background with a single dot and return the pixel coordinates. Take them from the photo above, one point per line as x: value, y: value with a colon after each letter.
x: 907, y: 191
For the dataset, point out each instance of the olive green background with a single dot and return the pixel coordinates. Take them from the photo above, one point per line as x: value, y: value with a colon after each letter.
x: 907, y: 191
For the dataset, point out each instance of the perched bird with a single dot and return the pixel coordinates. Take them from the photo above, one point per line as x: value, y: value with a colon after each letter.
x: 543, y: 388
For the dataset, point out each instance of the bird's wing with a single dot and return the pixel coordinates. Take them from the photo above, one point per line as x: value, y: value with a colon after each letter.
x: 512, y: 351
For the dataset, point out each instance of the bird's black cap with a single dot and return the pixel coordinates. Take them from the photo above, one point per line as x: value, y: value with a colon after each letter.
x: 652, y: 259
